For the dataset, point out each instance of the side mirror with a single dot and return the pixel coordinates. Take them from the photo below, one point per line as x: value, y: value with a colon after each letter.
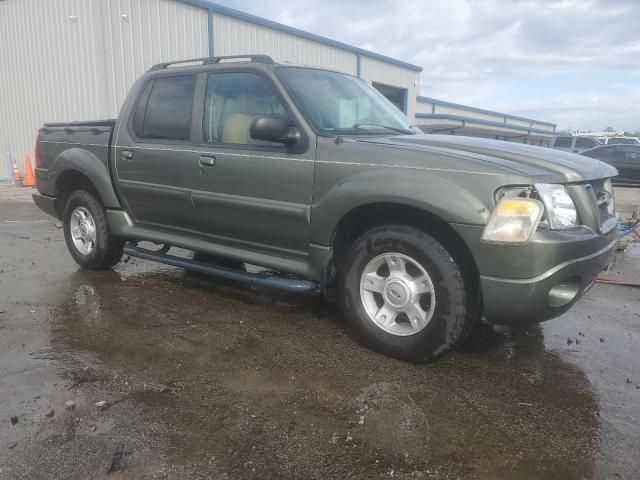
x: 274, y: 128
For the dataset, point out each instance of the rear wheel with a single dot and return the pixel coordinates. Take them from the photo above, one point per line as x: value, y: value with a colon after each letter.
x: 404, y: 294
x: 87, y: 234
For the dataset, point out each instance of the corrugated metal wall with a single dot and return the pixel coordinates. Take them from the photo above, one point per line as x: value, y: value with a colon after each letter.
x: 48, y: 72
x: 436, y: 107
x: 66, y: 60
x: 374, y: 70
x: 236, y: 37
x: 141, y: 33
x: 487, y: 124
x: 444, y: 109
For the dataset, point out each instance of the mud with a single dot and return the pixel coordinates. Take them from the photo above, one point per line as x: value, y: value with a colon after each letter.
x: 202, y: 378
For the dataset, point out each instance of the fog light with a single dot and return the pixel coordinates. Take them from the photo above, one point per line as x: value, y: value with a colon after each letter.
x: 565, y: 292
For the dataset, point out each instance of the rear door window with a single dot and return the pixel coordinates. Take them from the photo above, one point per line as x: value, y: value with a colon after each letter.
x: 168, y: 112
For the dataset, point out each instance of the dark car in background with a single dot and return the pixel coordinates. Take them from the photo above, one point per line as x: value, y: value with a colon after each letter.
x: 626, y: 158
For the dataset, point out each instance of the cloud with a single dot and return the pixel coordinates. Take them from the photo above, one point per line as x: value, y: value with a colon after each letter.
x: 586, y: 111
x: 551, y: 58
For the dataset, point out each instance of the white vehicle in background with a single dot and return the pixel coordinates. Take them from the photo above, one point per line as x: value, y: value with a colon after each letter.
x: 622, y: 141
x: 578, y: 142
x: 609, y: 137
x: 574, y: 144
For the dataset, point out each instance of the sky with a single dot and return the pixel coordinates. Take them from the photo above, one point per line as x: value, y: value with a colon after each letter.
x: 571, y: 62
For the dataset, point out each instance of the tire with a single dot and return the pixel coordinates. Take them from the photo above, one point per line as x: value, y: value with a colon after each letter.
x: 446, y: 312
x: 99, y: 250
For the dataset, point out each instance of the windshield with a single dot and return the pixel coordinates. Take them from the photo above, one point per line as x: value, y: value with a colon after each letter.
x: 340, y: 104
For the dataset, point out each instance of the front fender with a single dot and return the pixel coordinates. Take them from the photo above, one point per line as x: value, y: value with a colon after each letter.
x: 90, y: 165
x: 434, y: 194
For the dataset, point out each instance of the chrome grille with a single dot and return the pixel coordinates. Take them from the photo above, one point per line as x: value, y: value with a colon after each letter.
x: 604, y: 213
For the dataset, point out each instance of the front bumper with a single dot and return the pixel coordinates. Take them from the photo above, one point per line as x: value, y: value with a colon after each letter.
x: 523, y: 284
x: 523, y: 301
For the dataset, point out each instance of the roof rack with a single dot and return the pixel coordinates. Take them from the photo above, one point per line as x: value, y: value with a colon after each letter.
x: 210, y: 60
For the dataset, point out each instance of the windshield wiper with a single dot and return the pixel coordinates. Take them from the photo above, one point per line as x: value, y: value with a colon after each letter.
x: 388, y: 127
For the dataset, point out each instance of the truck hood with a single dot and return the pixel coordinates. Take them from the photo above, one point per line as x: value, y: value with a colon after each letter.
x: 543, y: 164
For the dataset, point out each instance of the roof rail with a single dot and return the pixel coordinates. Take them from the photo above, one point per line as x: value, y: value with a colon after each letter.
x: 209, y: 60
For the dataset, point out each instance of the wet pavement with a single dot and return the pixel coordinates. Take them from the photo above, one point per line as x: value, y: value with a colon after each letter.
x: 208, y: 379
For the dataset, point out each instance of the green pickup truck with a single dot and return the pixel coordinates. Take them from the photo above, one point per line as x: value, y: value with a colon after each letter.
x: 314, y: 174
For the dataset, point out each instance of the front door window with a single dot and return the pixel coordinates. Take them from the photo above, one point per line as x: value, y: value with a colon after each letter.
x: 232, y: 100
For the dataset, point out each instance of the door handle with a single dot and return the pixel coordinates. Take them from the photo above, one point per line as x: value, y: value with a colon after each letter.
x: 126, y: 155
x: 207, y: 160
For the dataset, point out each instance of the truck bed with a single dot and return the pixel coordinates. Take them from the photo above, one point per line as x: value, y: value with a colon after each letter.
x: 93, y: 123
x: 77, y: 143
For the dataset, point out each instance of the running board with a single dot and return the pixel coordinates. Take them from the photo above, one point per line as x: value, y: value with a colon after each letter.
x: 286, y: 284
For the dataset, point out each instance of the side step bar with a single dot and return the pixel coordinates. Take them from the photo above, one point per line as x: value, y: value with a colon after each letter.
x: 286, y: 284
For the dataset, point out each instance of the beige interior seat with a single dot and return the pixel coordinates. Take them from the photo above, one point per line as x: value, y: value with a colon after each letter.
x: 236, y: 129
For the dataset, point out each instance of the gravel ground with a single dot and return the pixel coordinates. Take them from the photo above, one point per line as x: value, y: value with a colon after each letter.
x: 202, y: 378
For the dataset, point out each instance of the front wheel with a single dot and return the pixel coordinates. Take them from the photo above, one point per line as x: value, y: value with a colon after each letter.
x: 87, y: 234
x: 404, y: 294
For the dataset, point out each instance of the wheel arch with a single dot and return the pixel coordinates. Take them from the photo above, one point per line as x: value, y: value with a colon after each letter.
x: 370, y: 215
x: 68, y: 182
x: 77, y: 168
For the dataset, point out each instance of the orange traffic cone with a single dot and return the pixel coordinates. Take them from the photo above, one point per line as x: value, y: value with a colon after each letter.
x: 29, y: 177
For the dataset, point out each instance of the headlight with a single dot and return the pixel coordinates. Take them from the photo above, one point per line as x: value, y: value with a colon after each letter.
x: 513, y: 221
x: 561, y: 211
x: 608, y: 187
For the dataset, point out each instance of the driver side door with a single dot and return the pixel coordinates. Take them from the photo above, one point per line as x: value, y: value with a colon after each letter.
x: 251, y: 194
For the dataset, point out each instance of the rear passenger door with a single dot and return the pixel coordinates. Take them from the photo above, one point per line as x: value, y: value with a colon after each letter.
x: 251, y: 194
x: 154, y: 159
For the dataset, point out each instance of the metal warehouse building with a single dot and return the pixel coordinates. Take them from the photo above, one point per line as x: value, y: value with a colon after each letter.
x: 64, y: 60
